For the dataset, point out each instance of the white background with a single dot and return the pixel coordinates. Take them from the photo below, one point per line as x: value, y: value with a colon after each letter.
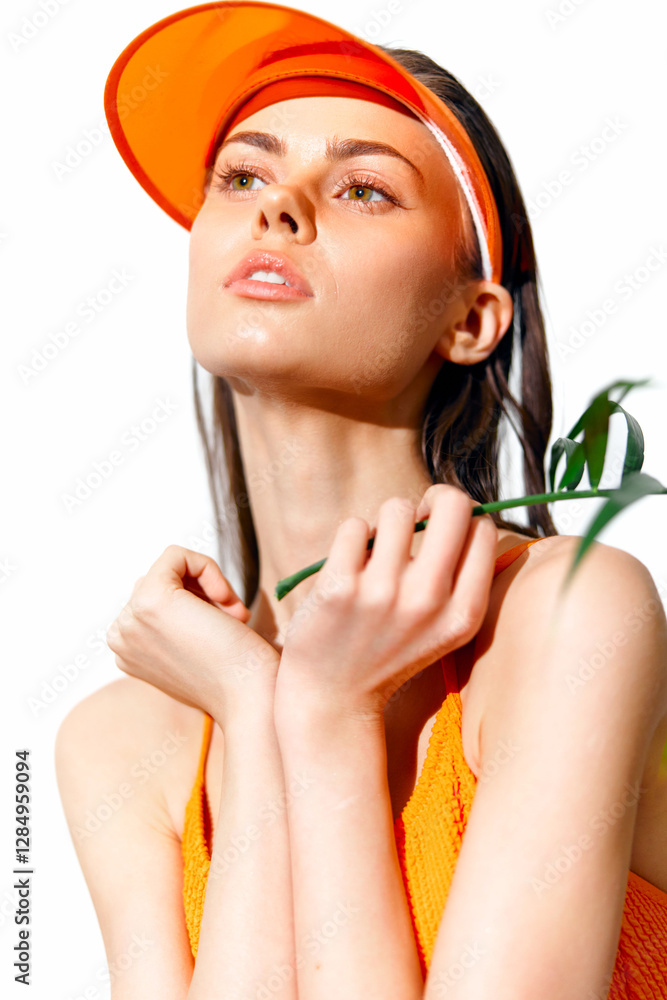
x: 549, y: 83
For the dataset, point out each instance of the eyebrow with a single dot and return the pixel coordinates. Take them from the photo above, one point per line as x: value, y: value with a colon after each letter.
x: 336, y: 149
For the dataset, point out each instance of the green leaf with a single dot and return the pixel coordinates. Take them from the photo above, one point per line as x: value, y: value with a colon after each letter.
x: 559, y: 447
x: 596, y: 431
x: 625, y: 385
x: 574, y: 468
x: 635, y: 485
x: 594, y: 422
x: 634, y: 449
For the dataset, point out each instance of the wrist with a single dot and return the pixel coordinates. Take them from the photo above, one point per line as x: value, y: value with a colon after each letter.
x: 316, y: 719
x: 250, y: 742
x: 300, y: 691
x: 251, y: 704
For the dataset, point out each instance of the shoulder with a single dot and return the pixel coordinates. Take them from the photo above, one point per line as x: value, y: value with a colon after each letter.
x: 608, y: 582
x: 119, y: 753
x: 608, y: 623
x: 561, y: 764
x: 605, y: 574
x: 128, y: 712
x: 128, y: 740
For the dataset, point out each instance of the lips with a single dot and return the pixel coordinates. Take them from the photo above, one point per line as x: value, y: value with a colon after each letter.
x: 263, y: 260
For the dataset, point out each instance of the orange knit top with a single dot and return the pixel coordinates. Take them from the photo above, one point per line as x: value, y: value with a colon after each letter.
x: 429, y: 833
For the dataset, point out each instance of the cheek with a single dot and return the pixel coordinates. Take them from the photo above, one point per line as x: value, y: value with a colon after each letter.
x: 434, y: 281
x: 376, y: 330
x: 396, y: 281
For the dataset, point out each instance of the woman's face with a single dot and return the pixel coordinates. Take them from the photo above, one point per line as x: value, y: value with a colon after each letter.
x: 374, y: 237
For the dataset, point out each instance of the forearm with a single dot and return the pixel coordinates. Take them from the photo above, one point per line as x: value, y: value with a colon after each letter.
x: 247, y: 932
x: 352, y: 923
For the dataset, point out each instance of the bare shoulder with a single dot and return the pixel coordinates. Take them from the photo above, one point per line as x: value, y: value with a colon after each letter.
x: 611, y: 602
x: 130, y: 740
x: 123, y: 755
x: 607, y: 581
x: 536, y: 634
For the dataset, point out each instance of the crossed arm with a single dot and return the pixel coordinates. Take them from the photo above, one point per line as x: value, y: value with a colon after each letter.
x: 582, y: 741
x: 314, y: 906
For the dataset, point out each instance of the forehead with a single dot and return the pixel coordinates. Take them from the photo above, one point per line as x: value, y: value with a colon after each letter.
x: 304, y: 125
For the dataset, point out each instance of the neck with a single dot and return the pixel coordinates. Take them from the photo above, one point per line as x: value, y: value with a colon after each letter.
x: 307, y: 469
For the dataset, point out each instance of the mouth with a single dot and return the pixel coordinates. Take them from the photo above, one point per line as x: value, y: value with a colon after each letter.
x: 267, y: 275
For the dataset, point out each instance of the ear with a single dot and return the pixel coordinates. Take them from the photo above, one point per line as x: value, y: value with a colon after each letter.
x: 476, y: 324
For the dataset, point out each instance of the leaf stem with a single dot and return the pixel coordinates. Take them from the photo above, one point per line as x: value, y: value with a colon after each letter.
x: 284, y: 586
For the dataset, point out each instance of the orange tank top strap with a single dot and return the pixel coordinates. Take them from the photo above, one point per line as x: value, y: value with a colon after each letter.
x: 205, y: 744
x: 508, y: 557
x: 200, y: 780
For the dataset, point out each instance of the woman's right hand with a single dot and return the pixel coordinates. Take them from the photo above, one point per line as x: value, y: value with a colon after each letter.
x: 184, y: 631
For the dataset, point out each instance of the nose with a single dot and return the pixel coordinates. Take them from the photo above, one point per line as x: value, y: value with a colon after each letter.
x: 284, y: 209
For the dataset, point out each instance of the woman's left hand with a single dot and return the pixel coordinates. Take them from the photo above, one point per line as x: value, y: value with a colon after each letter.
x: 374, y: 620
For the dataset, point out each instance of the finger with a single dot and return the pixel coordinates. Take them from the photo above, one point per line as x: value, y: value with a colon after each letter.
x: 393, y: 540
x: 472, y: 584
x: 176, y: 563
x: 426, y: 503
x: 449, y: 521
x: 348, y: 553
x: 237, y: 609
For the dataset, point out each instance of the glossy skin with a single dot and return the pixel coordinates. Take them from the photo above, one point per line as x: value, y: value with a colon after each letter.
x: 331, y: 388
x: 335, y: 383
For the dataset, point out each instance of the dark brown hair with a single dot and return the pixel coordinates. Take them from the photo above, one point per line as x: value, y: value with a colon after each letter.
x: 461, y: 416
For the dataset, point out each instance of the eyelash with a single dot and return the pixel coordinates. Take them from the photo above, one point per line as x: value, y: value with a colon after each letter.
x: 224, y: 176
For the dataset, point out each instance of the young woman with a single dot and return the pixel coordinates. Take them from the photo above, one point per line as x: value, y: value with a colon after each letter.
x: 304, y: 784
